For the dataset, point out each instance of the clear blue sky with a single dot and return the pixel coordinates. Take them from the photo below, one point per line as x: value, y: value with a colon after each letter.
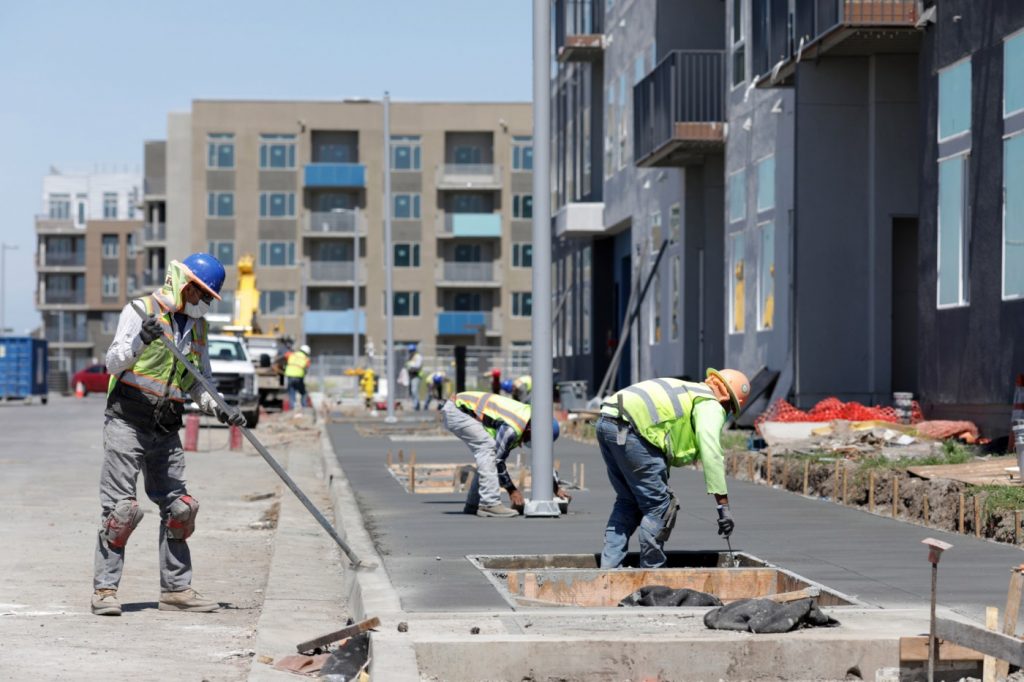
x: 87, y: 82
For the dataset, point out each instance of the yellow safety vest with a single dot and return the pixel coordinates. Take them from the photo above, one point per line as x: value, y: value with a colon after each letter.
x: 492, y: 410
x: 297, y: 362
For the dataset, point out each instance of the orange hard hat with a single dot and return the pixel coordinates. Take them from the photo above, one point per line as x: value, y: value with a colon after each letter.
x: 736, y: 383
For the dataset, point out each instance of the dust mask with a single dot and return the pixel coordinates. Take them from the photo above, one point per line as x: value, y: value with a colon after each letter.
x: 197, y: 310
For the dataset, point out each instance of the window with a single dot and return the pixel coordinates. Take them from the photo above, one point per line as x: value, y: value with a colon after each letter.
x: 655, y: 315
x: 737, y: 256
x: 522, y: 255
x: 675, y: 223
x: 407, y: 255
x: 609, y: 135
x: 766, y: 184
x: 277, y: 254
x: 277, y: 303
x: 108, y: 324
x: 522, y: 205
x: 407, y: 304
x: 81, y: 213
x: 220, y: 204
x: 223, y: 251
x: 277, y: 204
x: 522, y: 304
x: 467, y: 154
x: 953, y: 259
x: 226, y: 304
x: 737, y: 196
x: 111, y: 285
x: 220, y: 150
x: 638, y: 68
x: 277, y: 151
x: 1013, y: 74
x: 111, y: 246
x: 655, y: 231
x: 131, y: 245
x: 522, y: 153
x: 1013, y: 217
x: 468, y: 253
x: 766, y: 278
x: 405, y: 152
x: 674, y: 316
x: 60, y: 207
x: 955, y: 100
x: 406, y: 206
x: 623, y: 155
x: 739, y: 49
x: 110, y: 205
x: 132, y: 282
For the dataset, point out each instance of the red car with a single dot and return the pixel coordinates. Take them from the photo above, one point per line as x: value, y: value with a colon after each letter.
x: 93, y: 379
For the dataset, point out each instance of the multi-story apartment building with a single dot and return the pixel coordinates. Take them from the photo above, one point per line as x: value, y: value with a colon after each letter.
x: 85, y: 261
x: 299, y: 186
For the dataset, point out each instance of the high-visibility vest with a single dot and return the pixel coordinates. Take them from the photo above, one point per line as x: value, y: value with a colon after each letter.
x: 493, y: 410
x: 297, y: 362
x: 660, y: 411
x: 157, y: 376
x: 523, y: 383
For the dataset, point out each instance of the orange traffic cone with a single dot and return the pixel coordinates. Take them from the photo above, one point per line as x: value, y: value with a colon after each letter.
x: 79, y: 390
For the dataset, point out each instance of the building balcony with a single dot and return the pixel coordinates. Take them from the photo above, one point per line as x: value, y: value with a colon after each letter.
x: 580, y: 220
x: 468, y: 176
x: 154, y: 188
x: 61, y: 262
x: 679, y: 110
x: 350, y: 175
x: 470, y: 275
x: 487, y: 225
x: 342, y: 222
x: 342, y: 272
x: 47, y: 225
x: 815, y: 28
x: 579, y: 30
x: 69, y: 335
x: 60, y: 298
x: 468, y: 323
x: 154, y: 233
x: 333, y: 322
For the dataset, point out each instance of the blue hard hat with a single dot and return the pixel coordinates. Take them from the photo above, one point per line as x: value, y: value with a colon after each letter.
x: 412, y: 347
x: 554, y: 429
x: 206, y: 271
x: 506, y: 385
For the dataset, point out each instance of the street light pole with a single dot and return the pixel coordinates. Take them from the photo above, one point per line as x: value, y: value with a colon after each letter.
x: 542, y: 502
x: 4, y: 248
x: 389, y: 294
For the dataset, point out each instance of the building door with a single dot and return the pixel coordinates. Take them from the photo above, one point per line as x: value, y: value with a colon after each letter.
x: 904, y: 304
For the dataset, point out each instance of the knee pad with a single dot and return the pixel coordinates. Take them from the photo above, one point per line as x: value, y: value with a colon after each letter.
x: 120, y: 523
x: 181, y: 517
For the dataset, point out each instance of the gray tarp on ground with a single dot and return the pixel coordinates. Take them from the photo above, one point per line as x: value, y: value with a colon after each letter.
x: 766, y: 616
x: 659, y: 595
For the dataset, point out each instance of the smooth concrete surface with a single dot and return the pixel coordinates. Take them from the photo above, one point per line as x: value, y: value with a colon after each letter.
x: 424, y: 539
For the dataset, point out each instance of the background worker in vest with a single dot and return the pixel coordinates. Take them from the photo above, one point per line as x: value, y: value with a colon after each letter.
x: 644, y: 429
x: 145, y: 403
x: 295, y: 365
x: 436, y: 388
x: 522, y: 388
x: 492, y: 426
x: 414, y: 367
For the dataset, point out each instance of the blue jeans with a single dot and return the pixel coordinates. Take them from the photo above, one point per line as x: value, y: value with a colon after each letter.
x: 296, y: 385
x: 639, y: 476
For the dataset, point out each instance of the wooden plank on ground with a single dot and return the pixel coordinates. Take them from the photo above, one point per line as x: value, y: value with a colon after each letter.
x: 988, y: 673
x: 986, y: 472
x: 1011, y: 612
x: 344, y: 633
x: 915, y: 649
x: 995, y: 644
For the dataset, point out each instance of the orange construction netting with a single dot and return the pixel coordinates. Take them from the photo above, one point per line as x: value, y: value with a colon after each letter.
x: 832, y: 408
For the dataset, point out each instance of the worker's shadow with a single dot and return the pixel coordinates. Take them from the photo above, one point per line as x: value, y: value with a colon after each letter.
x: 132, y: 607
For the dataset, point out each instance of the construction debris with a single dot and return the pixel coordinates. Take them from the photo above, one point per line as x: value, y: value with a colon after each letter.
x: 766, y: 616
x: 659, y: 595
x: 350, y: 631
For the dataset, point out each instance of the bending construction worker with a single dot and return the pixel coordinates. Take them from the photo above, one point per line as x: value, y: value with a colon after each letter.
x: 436, y: 388
x: 414, y: 366
x: 522, y: 388
x: 644, y: 429
x: 492, y: 426
x: 145, y: 403
x: 295, y: 365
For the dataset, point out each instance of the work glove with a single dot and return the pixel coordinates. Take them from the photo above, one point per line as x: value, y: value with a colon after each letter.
x: 151, y: 330
x: 725, y: 522
x: 231, y: 415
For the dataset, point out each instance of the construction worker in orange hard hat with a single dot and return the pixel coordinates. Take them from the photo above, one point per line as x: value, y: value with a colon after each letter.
x: 648, y: 427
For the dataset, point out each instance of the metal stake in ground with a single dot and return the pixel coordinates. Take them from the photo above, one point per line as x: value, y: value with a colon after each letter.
x: 732, y: 555
x: 935, y: 550
x: 278, y: 469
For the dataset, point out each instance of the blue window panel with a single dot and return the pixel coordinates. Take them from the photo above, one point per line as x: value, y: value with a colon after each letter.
x: 766, y: 184
x: 335, y: 175
x: 460, y: 323
x: 1013, y: 74
x: 737, y: 196
x: 476, y: 224
x: 1013, y: 217
x: 955, y: 100
x: 951, y: 232
x: 333, y: 322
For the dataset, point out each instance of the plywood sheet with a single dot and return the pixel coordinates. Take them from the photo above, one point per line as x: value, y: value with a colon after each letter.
x: 987, y: 472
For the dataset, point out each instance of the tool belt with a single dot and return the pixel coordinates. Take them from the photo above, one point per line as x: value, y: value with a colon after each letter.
x: 668, y: 519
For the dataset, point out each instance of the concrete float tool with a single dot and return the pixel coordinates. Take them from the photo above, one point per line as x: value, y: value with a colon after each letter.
x: 251, y: 437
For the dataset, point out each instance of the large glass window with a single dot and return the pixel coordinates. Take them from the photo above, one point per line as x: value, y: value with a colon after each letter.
x: 624, y: 108
x: 407, y: 304
x: 60, y: 206
x: 675, y: 223
x: 609, y: 134
x: 407, y: 255
x: 676, y: 284
x: 953, y: 259
x: 1013, y: 217
x: 110, y: 205
x: 406, y: 206
x: 277, y: 151
x: 522, y: 255
x: 766, y: 278
x: 955, y: 100
x: 108, y: 322
x: 522, y: 205
x: 766, y: 184
x: 522, y: 153
x: 522, y: 304
x: 220, y: 150
x: 111, y: 286
x: 739, y: 50
x: 405, y: 152
x: 737, y: 293
x: 737, y: 196
x: 220, y: 204
x: 468, y: 154
x: 277, y: 253
x: 277, y: 303
x: 224, y: 251
x: 277, y: 204
x: 110, y: 244
x: 655, y: 231
x: 1013, y: 74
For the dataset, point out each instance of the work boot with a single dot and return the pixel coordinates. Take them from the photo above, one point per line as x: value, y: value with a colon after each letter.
x: 186, y: 600
x: 499, y: 510
x: 105, y: 603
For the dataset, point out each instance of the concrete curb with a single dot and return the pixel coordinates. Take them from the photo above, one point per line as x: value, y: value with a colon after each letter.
x: 370, y: 592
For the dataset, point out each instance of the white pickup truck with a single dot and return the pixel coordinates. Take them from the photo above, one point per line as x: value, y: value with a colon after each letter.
x: 234, y: 375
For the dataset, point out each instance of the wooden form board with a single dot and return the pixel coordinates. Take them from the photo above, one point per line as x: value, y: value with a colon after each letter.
x: 995, y: 644
x: 444, y: 478
x: 988, y: 472
x: 915, y: 649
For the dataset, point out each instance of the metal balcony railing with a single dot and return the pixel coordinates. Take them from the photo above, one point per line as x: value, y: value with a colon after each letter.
x: 468, y: 175
x: 154, y: 232
x: 332, y: 271
x: 45, y: 223
x: 577, y: 18
x: 63, y: 297
x: 451, y: 271
x: 340, y: 221
x: 70, y: 334
x: 75, y: 259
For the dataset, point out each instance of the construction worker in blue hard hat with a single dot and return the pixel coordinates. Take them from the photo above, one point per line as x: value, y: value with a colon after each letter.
x: 145, y: 403
x: 492, y: 426
x: 436, y: 388
x: 414, y: 367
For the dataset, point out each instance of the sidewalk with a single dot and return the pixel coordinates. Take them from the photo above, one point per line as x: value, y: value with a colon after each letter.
x: 278, y: 586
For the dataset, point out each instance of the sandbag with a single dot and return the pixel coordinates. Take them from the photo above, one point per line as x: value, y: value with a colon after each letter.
x: 766, y: 616
x: 659, y: 595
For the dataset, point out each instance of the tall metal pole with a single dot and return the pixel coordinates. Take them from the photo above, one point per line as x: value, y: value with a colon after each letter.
x: 542, y: 501
x: 389, y: 294
x: 4, y: 248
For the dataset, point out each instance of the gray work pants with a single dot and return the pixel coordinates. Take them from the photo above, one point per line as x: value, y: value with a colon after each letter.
x: 484, y: 449
x: 129, y: 450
